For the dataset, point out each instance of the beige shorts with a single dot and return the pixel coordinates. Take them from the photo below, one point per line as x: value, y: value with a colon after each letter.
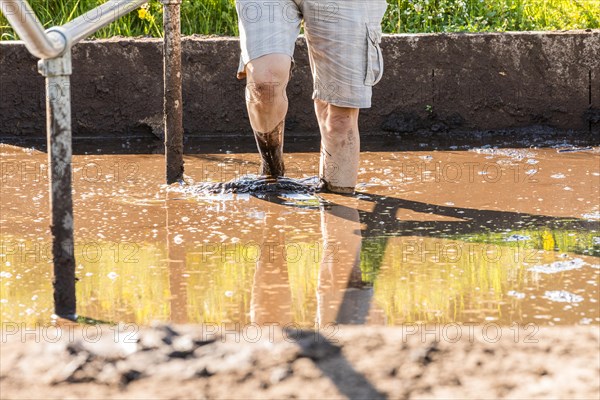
x: 343, y: 38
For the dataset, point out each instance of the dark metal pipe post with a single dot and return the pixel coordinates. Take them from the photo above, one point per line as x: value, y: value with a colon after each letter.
x: 57, y: 72
x: 173, y: 102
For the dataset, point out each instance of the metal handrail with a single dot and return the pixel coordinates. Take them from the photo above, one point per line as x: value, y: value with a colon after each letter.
x: 54, y: 41
x: 88, y: 23
x: 23, y: 20
x: 53, y: 47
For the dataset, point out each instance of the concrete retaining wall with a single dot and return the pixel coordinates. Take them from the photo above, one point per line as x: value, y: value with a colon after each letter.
x: 434, y: 82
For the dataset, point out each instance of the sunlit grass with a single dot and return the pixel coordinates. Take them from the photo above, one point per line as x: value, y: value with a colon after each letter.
x: 490, y: 15
x: 219, y: 16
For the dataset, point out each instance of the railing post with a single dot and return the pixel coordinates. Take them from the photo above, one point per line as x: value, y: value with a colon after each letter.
x: 57, y: 72
x: 173, y: 101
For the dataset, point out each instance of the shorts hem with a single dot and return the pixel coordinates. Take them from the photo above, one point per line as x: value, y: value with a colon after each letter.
x: 341, y: 102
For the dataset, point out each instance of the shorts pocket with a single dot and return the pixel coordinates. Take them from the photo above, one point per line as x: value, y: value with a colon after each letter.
x: 374, y: 56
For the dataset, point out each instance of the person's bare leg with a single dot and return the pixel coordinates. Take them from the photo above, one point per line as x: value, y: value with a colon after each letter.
x: 340, y: 146
x: 267, y: 78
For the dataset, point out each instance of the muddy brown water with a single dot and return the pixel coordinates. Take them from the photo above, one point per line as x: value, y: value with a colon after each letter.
x: 479, y: 235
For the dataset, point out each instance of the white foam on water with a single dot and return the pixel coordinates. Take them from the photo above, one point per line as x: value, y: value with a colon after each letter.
x: 517, y: 238
x: 515, y: 154
x: 594, y: 216
x: 562, y: 296
x: 297, y: 196
x: 514, y: 293
x: 558, y: 266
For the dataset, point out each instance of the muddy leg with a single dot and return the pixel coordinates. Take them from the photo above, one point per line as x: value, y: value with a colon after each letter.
x: 340, y: 146
x: 270, y: 147
x: 266, y: 100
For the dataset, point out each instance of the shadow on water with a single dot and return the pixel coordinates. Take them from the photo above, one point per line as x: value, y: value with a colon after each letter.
x: 472, y: 221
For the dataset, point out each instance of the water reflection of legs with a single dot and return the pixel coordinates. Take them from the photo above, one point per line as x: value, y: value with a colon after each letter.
x: 271, y: 300
x: 339, y: 295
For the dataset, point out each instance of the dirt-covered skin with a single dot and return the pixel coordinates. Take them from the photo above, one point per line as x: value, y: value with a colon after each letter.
x: 351, y: 362
x: 270, y: 147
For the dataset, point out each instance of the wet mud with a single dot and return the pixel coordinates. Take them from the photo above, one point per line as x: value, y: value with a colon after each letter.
x: 270, y: 147
x: 185, y: 362
x: 253, y: 184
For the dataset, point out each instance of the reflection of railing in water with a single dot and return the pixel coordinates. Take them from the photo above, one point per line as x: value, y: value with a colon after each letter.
x: 53, y: 47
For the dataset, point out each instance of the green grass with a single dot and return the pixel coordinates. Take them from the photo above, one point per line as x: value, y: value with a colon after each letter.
x: 490, y: 15
x: 219, y: 16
